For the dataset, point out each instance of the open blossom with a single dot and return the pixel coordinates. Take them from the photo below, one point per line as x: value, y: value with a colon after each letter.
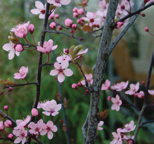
x: 40, y: 9
x: 64, y: 59
x: 48, y: 129
x: 140, y: 94
x: 8, y: 123
x: 129, y: 127
x: 58, y: 3
x: 21, y: 135
x: 61, y: 71
x: 116, y: 103
x: 117, y: 137
x: 106, y: 85
x: 99, y: 125
x: 50, y: 107
x: 133, y: 88
x: 120, y: 86
x: 21, y: 30
x: 89, y: 78
x: 151, y: 92
x: 22, y: 73
x: 47, y: 47
x: 10, y: 47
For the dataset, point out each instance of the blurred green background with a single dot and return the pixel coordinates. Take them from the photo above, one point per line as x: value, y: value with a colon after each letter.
x: 20, y: 100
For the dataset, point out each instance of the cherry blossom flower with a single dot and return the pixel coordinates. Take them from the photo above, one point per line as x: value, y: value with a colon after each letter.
x: 151, y: 92
x: 89, y: 78
x: 10, y: 47
x: 133, y: 88
x: 50, y: 107
x: 120, y: 86
x: 117, y: 137
x: 34, y: 112
x: 8, y: 123
x: 22, y: 73
x: 21, y: 135
x: 64, y: 59
x: 129, y: 127
x: 1, y: 126
x: 21, y: 30
x: 128, y: 138
x: 40, y: 9
x: 140, y: 94
x: 99, y: 125
x: 68, y: 22
x: 36, y: 128
x: 48, y: 129
x: 106, y: 85
x: 116, y: 103
x: 58, y: 3
x: 47, y: 47
x: 61, y: 71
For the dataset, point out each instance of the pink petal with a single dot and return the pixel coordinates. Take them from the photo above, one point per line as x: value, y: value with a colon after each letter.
x: 58, y: 107
x: 57, y: 65
x: 46, y: 113
x: 54, y: 128
x: 42, y: 16
x: 55, y: 113
x: 11, y: 55
x: 50, y: 135
x: 35, y: 11
x: 39, y: 5
x: 65, y: 2
x: 68, y: 72
x: 61, y: 77
x: 54, y: 47
x: 7, y: 47
x: 54, y: 72
x: 17, y: 140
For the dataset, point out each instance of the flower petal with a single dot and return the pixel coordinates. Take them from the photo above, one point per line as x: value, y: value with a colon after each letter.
x: 54, y: 72
x: 68, y: 72
x: 61, y: 77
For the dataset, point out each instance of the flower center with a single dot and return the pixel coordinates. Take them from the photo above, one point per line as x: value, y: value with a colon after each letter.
x: 43, y: 11
x: 57, y: 1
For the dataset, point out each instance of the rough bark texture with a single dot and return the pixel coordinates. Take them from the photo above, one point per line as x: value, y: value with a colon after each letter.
x: 101, y: 62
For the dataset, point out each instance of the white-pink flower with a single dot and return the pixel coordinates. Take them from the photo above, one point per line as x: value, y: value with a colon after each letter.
x: 58, y: 3
x: 116, y: 103
x: 99, y: 125
x: 40, y: 9
x: 64, y: 59
x: 47, y: 47
x: 10, y: 47
x: 22, y: 73
x: 50, y: 107
x: 8, y: 123
x: 106, y: 85
x: 120, y: 86
x: 151, y: 92
x: 21, y: 30
x: 129, y: 127
x: 133, y: 88
x: 61, y: 71
x: 89, y: 78
x: 117, y: 137
x: 21, y: 135
x: 48, y: 129
x: 140, y: 94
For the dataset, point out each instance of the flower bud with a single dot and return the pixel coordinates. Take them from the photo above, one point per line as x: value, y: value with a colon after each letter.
x: 31, y: 28
x: 80, y: 84
x: 34, y: 112
x: 122, y: 6
x: 87, y: 91
x: 146, y: 29
x: 59, y: 28
x: 10, y: 136
x: 74, y: 86
x: 8, y: 123
x: 57, y: 16
x: 80, y: 11
x: 19, y: 48
x: 74, y: 26
x: 52, y: 25
x: 51, y: 17
x: 68, y: 22
x: 6, y: 107
x: 84, y: 3
x: 109, y: 98
x: 66, y: 51
x: 143, y: 82
x: 10, y: 89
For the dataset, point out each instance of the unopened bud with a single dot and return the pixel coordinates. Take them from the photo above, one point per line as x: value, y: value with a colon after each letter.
x: 87, y: 91
x: 109, y: 98
x: 146, y: 29
x: 19, y: 48
x: 34, y: 112
x: 122, y: 6
x: 6, y: 107
x: 66, y: 51
x: 84, y: 3
x: 10, y: 136
x: 74, y: 86
x: 143, y: 82
x: 59, y: 28
x: 57, y: 16
x: 80, y: 84
x: 52, y: 25
x: 31, y: 28
x: 10, y: 89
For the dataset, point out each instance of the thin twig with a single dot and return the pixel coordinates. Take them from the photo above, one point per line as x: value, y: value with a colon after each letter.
x: 146, y: 122
x: 16, y: 85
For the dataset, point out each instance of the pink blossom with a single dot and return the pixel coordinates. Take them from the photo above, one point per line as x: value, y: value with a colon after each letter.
x: 128, y: 139
x: 117, y: 137
x: 52, y: 25
x: 81, y: 54
x: 129, y: 127
x: 50, y: 107
x: 140, y: 94
x: 19, y: 48
x: 133, y: 88
x: 34, y: 112
x: 89, y: 78
x: 6, y: 107
x: 99, y: 125
x: 8, y: 123
x: 151, y: 92
x: 21, y: 135
x: 106, y: 85
x: 31, y: 28
x: 48, y: 129
x: 47, y: 47
x: 120, y: 86
x: 22, y: 73
x: 36, y: 128
x: 61, y: 71
x: 68, y: 22
x: 40, y: 9
x: 58, y: 3
x: 116, y: 103
x: 119, y: 25
x: 1, y: 126
x: 10, y: 136
x: 64, y: 59
x: 10, y: 47
x: 21, y: 30
x: 74, y: 86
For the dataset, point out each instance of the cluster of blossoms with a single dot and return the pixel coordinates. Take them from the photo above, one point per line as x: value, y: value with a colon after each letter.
x: 123, y: 134
x: 20, y: 132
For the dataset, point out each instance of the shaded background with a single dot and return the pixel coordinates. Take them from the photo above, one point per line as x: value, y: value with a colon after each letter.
x: 130, y: 61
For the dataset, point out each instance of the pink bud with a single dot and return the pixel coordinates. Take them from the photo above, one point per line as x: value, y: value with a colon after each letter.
x: 51, y: 17
x: 143, y: 82
x: 57, y: 16
x: 8, y: 123
x: 87, y: 91
x: 68, y: 22
x: 6, y: 107
x: 52, y: 25
x: 59, y: 28
x: 75, y: 9
x: 2, y: 127
x: 80, y: 84
x: 146, y: 29
x: 136, y: 94
x: 19, y: 48
x: 80, y: 11
x: 31, y: 28
x: 74, y: 86
x: 75, y: 15
x: 119, y: 25
x: 122, y: 6
x: 10, y: 136
x: 34, y: 112
x: 10, y: 89
x: 109, y: 98
x: 143, y: 15
x: 84, y: 3
x: 66, y: 51
x: 74, y: 26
